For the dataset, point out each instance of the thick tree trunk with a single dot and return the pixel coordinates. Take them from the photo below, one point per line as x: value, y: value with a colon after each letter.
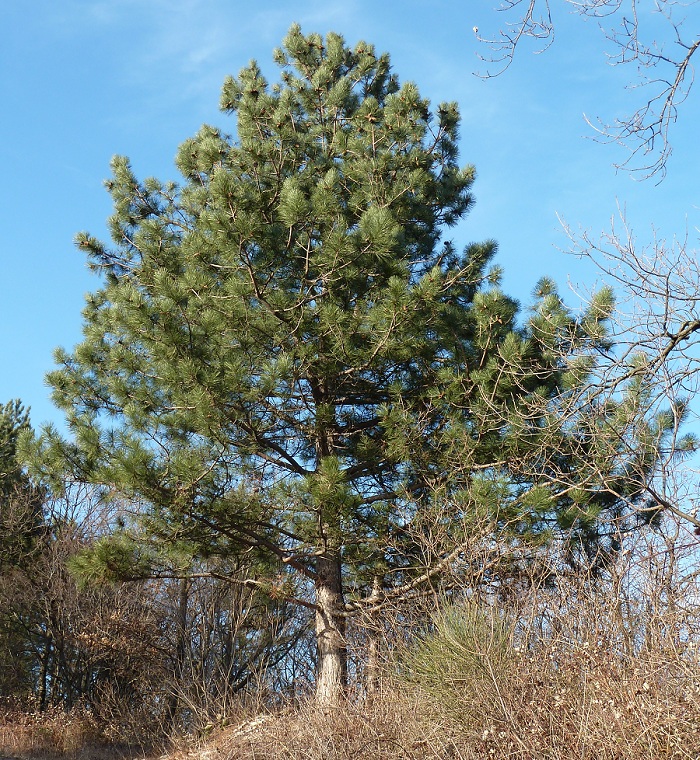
x: 332, y: 669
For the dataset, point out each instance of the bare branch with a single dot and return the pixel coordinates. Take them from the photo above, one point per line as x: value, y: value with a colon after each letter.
x: 531, y: 23
x: 656, y: 330
x: 660, y: 53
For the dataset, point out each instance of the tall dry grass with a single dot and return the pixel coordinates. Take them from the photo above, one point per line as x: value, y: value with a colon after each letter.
x: 518, y: 695
x: 577, y: 666
x: 58, y: 734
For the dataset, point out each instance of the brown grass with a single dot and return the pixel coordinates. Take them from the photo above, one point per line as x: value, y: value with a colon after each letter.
x: 388, y: 727
x: 582, y: 668
x: 555, y: 699
x: 563, y: 700
x: 55, y: 734
x: 584, y: 705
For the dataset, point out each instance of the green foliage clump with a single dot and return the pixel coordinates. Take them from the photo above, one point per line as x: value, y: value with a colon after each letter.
x: 463, y: 661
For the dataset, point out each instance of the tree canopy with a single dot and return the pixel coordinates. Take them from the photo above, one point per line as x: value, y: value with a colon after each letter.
x: 21, y: 501
x: 287, y: 358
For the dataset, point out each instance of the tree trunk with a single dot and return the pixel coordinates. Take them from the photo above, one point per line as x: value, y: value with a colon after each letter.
x: 372, y: 668
x: 180, y: 651
x: 332, y: 669
x: 44, y: 677
x: 372, y: 628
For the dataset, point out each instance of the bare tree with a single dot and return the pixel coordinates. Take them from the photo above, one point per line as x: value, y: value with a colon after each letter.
x: 656, y: 331
x: 656, y: 40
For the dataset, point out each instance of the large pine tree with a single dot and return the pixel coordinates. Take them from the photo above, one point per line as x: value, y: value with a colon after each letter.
x: 286, y: 355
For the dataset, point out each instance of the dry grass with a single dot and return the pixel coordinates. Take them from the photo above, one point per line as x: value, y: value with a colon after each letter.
x: 587, y: 671
x: 596, y: 670
x: 554, y: 699
x: 57, y: 735
x: 389, y: 727
x: 564, y: 699
x: 584, y: 706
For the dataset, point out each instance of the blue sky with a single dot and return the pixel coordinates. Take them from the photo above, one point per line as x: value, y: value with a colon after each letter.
x: 83, y: 80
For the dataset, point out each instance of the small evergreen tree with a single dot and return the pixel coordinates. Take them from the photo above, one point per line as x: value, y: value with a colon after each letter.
x: 286, y: 357
x: 21, y: 502
x: 21, y: 529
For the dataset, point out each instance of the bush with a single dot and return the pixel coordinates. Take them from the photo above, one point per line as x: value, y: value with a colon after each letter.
x: 568, y: 680
x: 464, y: 663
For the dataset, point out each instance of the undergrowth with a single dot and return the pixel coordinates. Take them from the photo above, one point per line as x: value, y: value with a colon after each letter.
x: 577, y: 668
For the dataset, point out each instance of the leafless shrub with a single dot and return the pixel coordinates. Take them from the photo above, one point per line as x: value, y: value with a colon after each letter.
x: 591, y: 668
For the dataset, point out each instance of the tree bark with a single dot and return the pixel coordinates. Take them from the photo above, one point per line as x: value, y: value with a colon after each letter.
x: 180, y: 651
x: 332, y: 668
x: 44, y: 677
x: 373, y: 646
x: 372, y: 667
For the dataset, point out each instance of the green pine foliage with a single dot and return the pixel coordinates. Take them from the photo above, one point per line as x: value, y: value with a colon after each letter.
x: 287, y: 357
x: 21, y: 501
x: 21, y: 533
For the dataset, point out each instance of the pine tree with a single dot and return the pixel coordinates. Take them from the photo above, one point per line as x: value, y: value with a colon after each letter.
x: 21, y: 516
x: 21, y: 531
x: 287, y: 358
